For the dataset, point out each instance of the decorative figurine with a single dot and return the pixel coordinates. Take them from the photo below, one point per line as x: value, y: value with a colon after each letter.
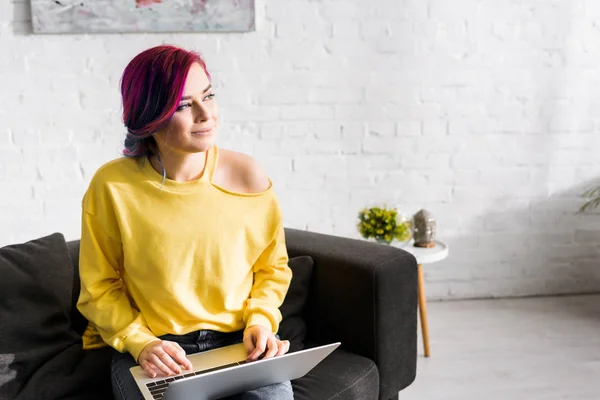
x: 424, y: 229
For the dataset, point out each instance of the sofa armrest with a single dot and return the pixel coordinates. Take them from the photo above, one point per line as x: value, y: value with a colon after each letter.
x: 364, y: 295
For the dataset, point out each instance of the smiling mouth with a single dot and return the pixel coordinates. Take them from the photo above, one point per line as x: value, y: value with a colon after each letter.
x: 205, y: 132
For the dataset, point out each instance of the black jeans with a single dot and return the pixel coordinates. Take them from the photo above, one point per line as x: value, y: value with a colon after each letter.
x: 125, y: 388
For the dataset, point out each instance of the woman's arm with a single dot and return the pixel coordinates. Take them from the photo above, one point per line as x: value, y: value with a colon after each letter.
x: 103, y: 299
x: 272, y: 277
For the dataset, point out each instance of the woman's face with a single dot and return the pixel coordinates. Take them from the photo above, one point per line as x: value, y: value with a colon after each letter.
x: 193, y: 127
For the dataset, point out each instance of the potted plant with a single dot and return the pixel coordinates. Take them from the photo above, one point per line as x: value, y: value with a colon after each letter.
x: 593, y: 194
x: 384, y: 225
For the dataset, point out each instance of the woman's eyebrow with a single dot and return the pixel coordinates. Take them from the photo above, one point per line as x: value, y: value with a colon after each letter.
x: 204, y: 91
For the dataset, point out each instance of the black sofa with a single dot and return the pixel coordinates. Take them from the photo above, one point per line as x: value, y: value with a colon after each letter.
x: 359, y: 293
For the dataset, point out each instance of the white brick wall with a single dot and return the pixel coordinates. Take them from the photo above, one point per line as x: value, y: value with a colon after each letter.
x: 482, y: 111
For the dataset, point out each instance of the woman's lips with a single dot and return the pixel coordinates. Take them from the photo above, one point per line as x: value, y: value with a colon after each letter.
x: 205, y: 132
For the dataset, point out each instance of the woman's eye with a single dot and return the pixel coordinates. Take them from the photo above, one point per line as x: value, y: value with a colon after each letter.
x: 184, y: 106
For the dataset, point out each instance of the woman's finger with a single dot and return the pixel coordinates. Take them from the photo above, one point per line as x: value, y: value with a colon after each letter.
x: 260, y: 345
x: 249, y: 344
x: 284, y: 347
x: 149, y: 369
x: 168, y: 360
x: 272, y: 347
x: 159, y: 364
x: 174, y: 350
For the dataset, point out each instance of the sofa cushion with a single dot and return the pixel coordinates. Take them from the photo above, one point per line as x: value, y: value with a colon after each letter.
x: 40, y: 354
x: 292, y: 326
x: 341, y: 375
x: 35, y: 282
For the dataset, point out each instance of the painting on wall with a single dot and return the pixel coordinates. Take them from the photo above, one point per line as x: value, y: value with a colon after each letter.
x: 107, y: 16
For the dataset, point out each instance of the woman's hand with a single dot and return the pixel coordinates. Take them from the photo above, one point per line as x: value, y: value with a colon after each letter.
x: 163, y: 358
x: 259, y: 340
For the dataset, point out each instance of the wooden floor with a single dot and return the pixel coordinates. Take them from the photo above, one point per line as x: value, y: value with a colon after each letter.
x: 516, y: 349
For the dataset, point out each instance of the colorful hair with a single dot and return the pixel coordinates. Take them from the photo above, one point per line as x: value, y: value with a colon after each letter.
x: 151, y: 88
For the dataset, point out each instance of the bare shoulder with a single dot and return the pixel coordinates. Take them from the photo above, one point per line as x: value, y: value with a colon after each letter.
x: 243, y: 171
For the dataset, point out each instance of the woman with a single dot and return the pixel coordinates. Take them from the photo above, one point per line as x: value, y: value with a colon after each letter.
x: 182, y: 244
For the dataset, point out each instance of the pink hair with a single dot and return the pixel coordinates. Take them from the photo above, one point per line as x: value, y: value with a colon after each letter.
x: 151, y: 88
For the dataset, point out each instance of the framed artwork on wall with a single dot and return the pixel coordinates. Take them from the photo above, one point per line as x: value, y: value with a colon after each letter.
x: 122, y: 16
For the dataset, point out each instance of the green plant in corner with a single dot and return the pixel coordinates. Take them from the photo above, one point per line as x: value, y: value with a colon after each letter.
x: 593, y: 194
x: 383, y: 224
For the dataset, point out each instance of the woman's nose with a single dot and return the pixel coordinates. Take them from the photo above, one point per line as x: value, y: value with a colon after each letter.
x: 203, y: 112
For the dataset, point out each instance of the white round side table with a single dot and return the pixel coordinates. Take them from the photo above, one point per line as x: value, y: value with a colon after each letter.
x: 425, y: 256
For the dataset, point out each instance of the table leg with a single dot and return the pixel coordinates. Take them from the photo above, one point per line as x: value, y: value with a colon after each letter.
x: 423, y: 312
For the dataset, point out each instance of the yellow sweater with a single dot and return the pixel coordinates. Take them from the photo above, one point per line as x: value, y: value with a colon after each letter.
x: 178, y: 258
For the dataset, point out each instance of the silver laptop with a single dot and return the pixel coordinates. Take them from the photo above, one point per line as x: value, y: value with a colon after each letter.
x: 224, y: 372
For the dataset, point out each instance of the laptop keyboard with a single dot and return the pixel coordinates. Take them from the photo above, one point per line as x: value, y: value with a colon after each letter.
x: 158, y: 388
